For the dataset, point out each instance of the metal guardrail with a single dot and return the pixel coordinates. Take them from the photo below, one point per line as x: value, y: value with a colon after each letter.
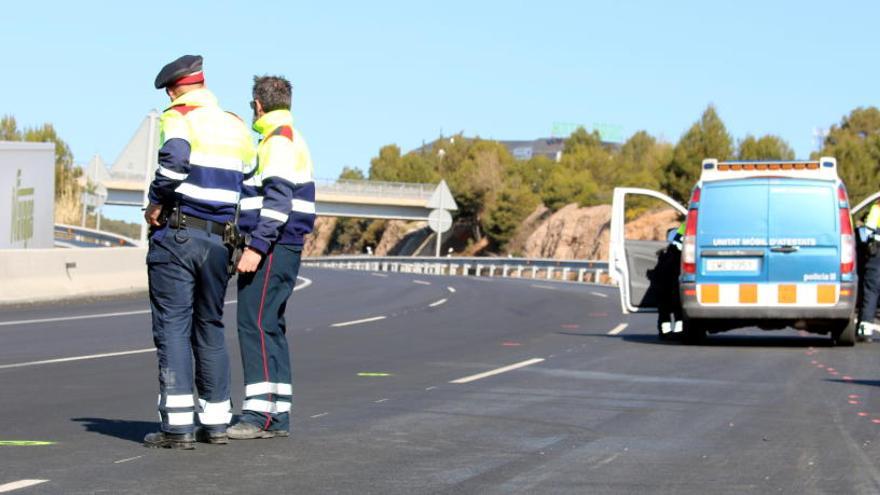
x: 73, y: 236
x: 375, y: 188
x: 547, y: 269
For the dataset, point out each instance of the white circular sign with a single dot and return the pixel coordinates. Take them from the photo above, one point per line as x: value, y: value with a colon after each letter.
x: 439, y: 220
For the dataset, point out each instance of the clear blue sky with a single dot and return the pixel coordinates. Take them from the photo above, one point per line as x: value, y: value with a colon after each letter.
x: 367, y: 74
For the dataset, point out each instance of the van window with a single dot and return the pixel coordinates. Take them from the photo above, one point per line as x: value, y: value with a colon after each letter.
x: 802, y: 209
x: 733, y: 210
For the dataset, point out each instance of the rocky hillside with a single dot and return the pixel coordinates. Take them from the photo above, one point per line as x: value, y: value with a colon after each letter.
x: 569, y: 233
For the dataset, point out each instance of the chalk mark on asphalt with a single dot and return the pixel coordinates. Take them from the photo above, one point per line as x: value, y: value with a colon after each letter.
x: 616, y: 330
x: 17, y: 485
x: 497, y: 371
x: 358, y: 322
x: 306, y: 283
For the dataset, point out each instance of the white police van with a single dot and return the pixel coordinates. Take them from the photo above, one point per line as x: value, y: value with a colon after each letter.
x: 766, y: 244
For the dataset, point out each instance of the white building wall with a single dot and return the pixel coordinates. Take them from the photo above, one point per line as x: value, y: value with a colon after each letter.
x: 27, y: 195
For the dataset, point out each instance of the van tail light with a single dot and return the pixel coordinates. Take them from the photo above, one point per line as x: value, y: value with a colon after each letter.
x: 689, y: 244
x: 847, y: 243
x: 847, y: 239
x: 695, y: 196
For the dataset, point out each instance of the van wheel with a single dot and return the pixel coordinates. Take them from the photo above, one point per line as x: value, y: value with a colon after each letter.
x: 694, y: 332
x: 845, y: 335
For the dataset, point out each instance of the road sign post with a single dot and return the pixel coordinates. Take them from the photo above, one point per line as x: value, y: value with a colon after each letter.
x: 440, y: 220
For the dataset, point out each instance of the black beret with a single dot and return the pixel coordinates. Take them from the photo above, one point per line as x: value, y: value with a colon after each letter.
x: 181, y: 67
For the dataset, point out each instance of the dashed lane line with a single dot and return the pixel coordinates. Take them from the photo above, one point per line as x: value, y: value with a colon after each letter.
x: 305, y: 283
x: 437, y: 303
x: 498, y: 371
x: 320, y: 415
x: 17, y: 485
x: 451, y: 289
x: 120, y: 461
x: 616, y: 330
x: 421, y: 282
x: 77, y: 358
x: 599, y: 294
x: 548, y: 287
x: 358, y: 322
x: 380, y: 401
x: 383, y: 275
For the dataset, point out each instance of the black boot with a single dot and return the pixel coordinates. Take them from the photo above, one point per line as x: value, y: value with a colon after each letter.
x: 162, y: 440
x: 208, y: 436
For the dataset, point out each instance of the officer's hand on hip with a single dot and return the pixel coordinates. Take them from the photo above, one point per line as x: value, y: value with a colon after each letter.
x: 152, y: 214
x: 250, y: 260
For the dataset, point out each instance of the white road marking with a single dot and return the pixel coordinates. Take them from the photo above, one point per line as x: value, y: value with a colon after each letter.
x: 306, y: 283
x: 319, y: 415
x: 548, y: 287
x: 599, y: 294
x: 616, y: 330
x: 498, y: 371
x: 17, y: 485
x: 421, y: 282
x: 383, y: 275
x: 430, y: 388
x: 437, y: 303
x: 77, y: 358
x: 71, y: 318
x: 451, y: 289
x: 120, y: 461
x: 380, y: 401
x: 357, y: 322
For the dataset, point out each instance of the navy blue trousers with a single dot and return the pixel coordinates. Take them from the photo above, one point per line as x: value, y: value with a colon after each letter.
x: 262, y: 336
x: 188, y: 279
x: 870, y: 289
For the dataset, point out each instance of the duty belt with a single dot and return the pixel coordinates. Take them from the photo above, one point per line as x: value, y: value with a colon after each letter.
x: 178, y: 220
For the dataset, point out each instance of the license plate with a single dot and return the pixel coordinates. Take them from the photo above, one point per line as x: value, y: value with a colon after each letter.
x: 732, y: 265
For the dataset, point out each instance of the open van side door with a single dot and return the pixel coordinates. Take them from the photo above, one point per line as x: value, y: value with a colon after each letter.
x: 864, y: 204
x: 630, y: 262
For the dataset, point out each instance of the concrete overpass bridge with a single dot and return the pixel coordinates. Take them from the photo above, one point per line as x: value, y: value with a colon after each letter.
x: 124, y: 183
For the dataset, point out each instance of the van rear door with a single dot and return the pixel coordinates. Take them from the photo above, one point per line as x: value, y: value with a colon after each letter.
x: 804, y: 235
x: 732, y: 232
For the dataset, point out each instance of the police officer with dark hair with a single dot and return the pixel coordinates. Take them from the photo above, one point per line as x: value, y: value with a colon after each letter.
x: 277, y: 212
x: 204, y: 155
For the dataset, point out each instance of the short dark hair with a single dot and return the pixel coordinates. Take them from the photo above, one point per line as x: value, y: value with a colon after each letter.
x: 273, y: 92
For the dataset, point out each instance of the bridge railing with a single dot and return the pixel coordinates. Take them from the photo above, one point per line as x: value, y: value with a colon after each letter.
x: 546, y: 269
x: 73, y: 236
x: 375, y: 188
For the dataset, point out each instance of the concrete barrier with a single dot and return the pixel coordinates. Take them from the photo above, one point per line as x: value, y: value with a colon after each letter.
x: 37, y: 275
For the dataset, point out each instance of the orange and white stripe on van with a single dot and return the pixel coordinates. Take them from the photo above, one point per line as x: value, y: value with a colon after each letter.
x: 782, y: 294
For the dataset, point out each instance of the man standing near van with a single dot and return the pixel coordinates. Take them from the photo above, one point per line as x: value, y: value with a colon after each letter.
x: 277, y: 212
x: 871, y: 283
x: 666, y: 275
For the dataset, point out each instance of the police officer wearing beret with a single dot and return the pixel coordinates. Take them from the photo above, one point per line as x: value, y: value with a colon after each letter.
x: 204, y: 155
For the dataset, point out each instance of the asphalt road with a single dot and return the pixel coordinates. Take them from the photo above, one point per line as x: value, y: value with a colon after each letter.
x: 595, y: 407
